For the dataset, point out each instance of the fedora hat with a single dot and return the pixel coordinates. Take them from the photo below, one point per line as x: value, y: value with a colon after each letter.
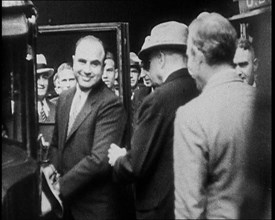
x: 42, y: 65
x: 50, y: 197
x: 169, y: 34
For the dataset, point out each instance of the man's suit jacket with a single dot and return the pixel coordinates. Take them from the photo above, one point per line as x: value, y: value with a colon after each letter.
x: 81, y: 156
x: 210, y: 143
x: 149, y: 163
x: 46, y: 127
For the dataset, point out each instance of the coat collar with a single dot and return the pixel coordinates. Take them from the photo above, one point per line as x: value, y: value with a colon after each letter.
x: 84, y: 112
x: 177, y: 74
x: 220, y: 78
x: 66, y: 108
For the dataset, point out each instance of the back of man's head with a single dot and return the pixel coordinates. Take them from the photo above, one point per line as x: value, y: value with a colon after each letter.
x: 215, y: 37
x: 177, y: 55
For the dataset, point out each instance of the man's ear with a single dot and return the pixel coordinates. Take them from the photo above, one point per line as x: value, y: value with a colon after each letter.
x: 116, y: 73
x: 255, y: 64
x: 198, y: 54
x: 161, y: 59
x: 73, y: 58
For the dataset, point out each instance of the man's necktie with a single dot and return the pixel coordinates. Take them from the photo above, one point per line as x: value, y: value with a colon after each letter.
x: 42, y: 113
x: 74, y: 111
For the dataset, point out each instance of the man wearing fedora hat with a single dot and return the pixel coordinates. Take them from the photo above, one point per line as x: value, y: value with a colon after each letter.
x: 46, y: 109
x: 149, y: 162
x: 138, y: 92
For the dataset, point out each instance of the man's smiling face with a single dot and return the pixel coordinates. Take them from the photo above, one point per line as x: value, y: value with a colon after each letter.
x: 88, y: 63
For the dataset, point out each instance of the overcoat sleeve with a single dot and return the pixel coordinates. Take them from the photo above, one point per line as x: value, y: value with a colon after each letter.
x: 145, y: 143
x: 190, y: 165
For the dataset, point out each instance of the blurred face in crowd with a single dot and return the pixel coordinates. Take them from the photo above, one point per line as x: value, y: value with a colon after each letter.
x: 66, y: 79
x: 88, y: 63
x: 42, y: 85
x: 145, y: 77
x: 245, y: 64
x: 109, y: 73
x: 134, y: 73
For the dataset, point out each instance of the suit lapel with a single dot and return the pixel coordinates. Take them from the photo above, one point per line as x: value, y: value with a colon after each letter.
x: 65, y: 114
x: 51, y: 118
x: 84, y: 112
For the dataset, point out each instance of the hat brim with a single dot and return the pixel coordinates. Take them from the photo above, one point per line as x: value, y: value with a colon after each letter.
x: 51, y: 194
x: 146, y: 51
x: 49, y: 71
x: 137, y: 66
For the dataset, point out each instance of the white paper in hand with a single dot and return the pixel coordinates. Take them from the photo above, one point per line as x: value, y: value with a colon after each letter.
x: 46, y: 206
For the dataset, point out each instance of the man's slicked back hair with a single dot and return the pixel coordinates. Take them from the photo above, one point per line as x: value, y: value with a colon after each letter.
x: 64, y: 66
x: 92, y: 39
x: 215, y: 37
x: 246, y: 45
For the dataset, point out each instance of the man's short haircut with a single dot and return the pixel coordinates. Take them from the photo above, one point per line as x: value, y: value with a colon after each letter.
x: 246, y: 45
x: 175, y: 50
x: 215, y: 37
x: 93, y: 39
x: 64, y: 66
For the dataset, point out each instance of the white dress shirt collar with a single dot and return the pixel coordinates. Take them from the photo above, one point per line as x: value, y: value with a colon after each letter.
x: 83, y: 97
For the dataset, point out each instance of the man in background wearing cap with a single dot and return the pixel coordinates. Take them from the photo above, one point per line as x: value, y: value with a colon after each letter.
x: 143, y: 90
x: 211, y: 130
x: 109, y: 73
x: 149, y: 163
x: 138, y: 92
x: 134, y: 72
x: 46, y: 109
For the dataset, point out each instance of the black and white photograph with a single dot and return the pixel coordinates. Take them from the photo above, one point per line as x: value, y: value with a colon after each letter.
x: 136, y: 109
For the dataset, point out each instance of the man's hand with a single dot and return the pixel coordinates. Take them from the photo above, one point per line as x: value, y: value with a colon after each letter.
x: 53, y: 177
x: 115, y: 152
x: 46, y: 206
x: 56, y: 186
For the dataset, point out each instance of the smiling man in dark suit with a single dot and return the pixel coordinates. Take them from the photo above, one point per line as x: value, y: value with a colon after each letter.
x: 89, y: 118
